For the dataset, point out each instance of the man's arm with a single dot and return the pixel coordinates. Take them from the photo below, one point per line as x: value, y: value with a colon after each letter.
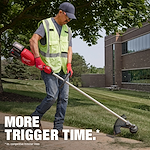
x: 35, y: 50
x: 34, y: 45
x: 69, y: 69
x: 69, y: 55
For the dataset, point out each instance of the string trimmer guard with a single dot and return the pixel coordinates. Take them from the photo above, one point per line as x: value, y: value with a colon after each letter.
x: 120, y: 123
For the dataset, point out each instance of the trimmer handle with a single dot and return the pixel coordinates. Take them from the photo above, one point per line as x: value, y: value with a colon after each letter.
x: 68, y: 75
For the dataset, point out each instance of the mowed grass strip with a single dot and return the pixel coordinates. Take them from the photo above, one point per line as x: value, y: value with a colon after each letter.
x: 84, y: 113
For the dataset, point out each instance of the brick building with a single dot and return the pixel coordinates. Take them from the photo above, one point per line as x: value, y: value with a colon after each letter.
x: 127, y: 59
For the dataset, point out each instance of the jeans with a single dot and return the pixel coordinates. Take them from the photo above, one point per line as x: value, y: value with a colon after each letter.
x: 54, y: 93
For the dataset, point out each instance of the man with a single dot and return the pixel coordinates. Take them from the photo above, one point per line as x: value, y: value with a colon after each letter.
x: 52, y: 44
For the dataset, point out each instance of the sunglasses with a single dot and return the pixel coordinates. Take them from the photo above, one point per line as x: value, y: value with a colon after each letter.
x: 68, y: 19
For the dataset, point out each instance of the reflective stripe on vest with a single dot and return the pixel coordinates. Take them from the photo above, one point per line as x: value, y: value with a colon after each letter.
x: 63, y: 54
x: 55, y: 52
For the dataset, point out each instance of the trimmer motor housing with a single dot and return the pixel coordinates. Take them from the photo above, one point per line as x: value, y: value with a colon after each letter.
x: 20, y: 52
x: 18, y: 47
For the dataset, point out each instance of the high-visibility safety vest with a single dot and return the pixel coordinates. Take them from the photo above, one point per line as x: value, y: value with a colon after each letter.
x: 54, y: 53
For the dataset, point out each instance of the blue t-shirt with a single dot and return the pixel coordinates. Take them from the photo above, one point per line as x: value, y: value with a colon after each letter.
x: 40, y: 31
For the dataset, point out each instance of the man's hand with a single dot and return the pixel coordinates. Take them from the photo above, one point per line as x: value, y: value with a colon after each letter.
x: 42, y: 66
x: 39, y: 63
x: 47, y: 69
x: 69, y: 69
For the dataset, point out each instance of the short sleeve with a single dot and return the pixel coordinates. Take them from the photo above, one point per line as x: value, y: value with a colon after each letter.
x: 70, y: 37
x: 40, y: 31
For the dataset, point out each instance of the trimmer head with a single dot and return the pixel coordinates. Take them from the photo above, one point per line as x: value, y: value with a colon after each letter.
x: 119, y: 123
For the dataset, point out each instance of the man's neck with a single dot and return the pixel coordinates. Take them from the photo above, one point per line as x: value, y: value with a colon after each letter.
x: 57, y: 20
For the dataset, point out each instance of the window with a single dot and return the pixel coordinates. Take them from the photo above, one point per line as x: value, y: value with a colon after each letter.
x: 136, y: 76
x: 137, y: 44
x: 124, y: 48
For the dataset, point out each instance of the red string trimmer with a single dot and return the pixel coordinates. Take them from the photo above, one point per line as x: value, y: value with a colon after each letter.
x: 18, y: 51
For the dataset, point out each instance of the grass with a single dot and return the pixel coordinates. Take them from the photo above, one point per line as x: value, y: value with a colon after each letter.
x: 84, y: 113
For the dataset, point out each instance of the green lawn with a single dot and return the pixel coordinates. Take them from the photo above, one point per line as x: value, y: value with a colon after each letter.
x: 84, y: 113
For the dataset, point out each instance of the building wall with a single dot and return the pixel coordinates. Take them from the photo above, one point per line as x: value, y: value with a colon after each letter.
x: 108, y: 66
x: 140, y: 59
x: 140, y: 87
x: 129, y: 61
x: 93, y: 80
x: 136, y: 32
x: 118, y: 61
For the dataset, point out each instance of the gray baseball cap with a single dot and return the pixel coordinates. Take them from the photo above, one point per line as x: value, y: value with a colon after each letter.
x: 69, y: 9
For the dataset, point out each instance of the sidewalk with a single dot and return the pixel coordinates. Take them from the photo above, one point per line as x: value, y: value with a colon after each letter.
x: 102, y: 141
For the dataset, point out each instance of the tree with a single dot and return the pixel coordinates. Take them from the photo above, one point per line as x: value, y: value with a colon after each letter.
x: 93, y: 69
x: 35, y: 74
x: 17, y: 70
x: 79, y: 67
x: 19, y: 17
